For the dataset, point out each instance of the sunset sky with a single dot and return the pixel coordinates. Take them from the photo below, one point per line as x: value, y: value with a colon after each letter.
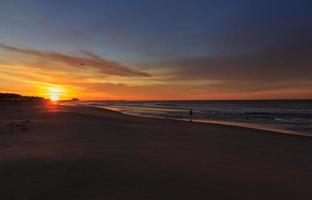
x: 164, y: 49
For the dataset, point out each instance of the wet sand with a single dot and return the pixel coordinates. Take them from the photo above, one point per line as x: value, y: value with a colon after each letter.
x: 57, y: 152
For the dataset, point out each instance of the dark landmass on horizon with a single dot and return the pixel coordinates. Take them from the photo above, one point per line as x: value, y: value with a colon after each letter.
x: 12, y: 97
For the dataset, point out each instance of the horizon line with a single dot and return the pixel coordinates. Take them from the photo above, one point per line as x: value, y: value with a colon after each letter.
x: 205, y: 100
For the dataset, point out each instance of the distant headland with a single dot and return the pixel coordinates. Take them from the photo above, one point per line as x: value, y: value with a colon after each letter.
x: 13, y: 97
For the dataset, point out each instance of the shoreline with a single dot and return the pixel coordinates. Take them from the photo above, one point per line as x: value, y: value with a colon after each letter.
x: 255, y: 126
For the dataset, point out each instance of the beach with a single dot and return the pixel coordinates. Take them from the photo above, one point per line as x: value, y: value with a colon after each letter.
x: 62, y: 152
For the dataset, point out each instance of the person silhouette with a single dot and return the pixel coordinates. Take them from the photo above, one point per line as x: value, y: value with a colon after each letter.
x: 191, y: 114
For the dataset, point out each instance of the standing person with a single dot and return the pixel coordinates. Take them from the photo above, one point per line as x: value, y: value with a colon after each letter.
x: 191, y: 114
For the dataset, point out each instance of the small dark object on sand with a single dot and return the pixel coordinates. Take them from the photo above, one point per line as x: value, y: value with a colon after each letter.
x: 18, y: 126
x: 24, y: 128
x: 11, y: 125
x: 142, y: 158
x: 27, y: 121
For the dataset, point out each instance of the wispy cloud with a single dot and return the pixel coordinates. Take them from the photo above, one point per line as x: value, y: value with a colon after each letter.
x: 87, y: 60
x: 287, y: 60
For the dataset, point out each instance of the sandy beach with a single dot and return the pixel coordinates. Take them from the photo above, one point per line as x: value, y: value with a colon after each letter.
x: 83, y: 153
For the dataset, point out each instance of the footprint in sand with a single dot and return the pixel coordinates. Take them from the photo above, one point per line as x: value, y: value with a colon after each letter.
x: 23, y: 126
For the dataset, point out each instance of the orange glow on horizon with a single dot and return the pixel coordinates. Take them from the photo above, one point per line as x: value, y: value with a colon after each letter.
x: 58, y: 85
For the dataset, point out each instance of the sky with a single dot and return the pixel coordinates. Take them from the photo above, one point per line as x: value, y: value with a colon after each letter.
x: 157, y: 50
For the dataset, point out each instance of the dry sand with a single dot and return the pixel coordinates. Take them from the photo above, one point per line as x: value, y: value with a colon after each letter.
x: 57, y: 152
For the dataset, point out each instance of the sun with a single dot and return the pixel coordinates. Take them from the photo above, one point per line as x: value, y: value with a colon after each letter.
x: 54, y: 93
x: 54, y: 97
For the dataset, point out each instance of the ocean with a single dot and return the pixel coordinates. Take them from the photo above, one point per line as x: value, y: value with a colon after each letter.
x: 289, y: 116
